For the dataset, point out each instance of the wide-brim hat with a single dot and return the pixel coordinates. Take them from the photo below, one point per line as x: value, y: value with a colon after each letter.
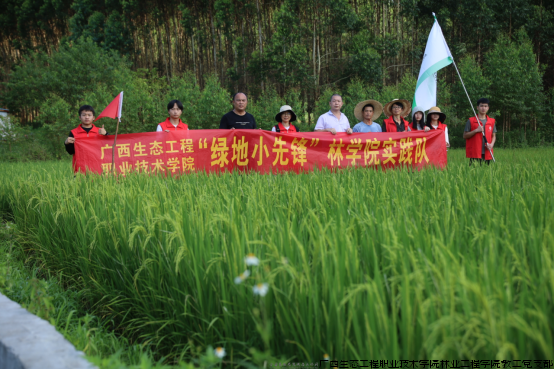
x: 377, y: 109
x: 285, y: 108
x: 418, y: 109
x: 437, y: 110
x: 406, y: 107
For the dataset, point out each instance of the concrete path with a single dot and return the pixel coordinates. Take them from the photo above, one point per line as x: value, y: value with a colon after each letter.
x: 29, y: 342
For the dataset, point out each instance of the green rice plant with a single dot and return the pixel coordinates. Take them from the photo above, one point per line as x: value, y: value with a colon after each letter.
x: 360, y: 263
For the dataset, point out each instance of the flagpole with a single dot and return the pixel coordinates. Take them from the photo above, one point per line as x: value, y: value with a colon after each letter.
x: 114, y: 146
x: 116, y: 130
x: 473, y: 109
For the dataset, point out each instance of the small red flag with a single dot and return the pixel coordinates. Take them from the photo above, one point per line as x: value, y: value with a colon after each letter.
x: 113, y: 110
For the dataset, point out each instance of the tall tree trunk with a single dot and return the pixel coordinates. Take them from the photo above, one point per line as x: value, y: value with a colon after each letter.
x: 194, y: 59
x: 177, y: 64
x: 314, y: 59
x: 318, y: 65
x: 260, y: 43
x: 213, y: 37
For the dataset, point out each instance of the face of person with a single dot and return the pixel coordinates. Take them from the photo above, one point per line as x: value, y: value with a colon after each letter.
x: 483, y: 108
x: 396, y: 110
x: 240, y: 102
x: 336, y: 103
x: 434, y: 117
x: 175, y: 112
x: 418, y: 116
x: 86, y: 118
x: 286, y: 116
x: 368, y: 113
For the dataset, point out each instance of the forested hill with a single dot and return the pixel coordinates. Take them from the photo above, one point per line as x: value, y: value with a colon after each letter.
x: 290, y: 43
x: 69, y: 51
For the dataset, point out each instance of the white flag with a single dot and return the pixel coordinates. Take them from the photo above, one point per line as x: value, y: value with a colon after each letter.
x: 437, y: 56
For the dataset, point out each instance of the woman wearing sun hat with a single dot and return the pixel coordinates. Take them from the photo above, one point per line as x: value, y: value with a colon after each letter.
x: 366, y: 112
x: 435, y: 121
x: 284, y: 119
x: 418, y: 119
x: 396, y: 110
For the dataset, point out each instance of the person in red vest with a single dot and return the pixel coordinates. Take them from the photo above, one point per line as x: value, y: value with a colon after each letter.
x: 173, y: 122
x: 435, y: 121
x: 397, y: 109
x: 85, y: 129
x: 476, y: 147
x: 284, y: 119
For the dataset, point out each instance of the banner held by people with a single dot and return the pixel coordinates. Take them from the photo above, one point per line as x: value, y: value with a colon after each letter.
x: 263, y: 151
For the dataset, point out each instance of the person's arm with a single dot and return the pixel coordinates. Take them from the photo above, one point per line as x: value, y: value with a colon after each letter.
x: 223, y: 125
x: 273, y: 129
x: 159, y: 129
x: 468, y: 133
x: 491, y: 144
x: 254, y: 121
x: 446, y: 137
x: 349, y: 129
x: 69, y: 144
x: 355, y: 129
x: 320, y: 127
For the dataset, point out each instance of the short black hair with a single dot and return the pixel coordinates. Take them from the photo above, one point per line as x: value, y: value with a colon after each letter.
x: 240, y: 92
x: 368, y: 105
x: 86, y: 108
x: 172, y: 103
x: 332, y: 96
x: 399, y: 104
x: 483, y: 101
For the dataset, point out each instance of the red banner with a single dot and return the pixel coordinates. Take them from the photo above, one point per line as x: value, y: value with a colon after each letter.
x: 263, y: 151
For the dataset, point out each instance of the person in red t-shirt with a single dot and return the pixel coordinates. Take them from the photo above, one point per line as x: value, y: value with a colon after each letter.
x: 173, y: 122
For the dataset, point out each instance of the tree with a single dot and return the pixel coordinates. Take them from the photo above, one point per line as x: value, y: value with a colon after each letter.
x: 516, y: 80
x: 477, y: 85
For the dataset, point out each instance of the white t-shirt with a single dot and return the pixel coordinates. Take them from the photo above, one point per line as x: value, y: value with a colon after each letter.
x: 273, y: 128
x: 161, y: 129
x: 445, y: 133
x: 329, y: 120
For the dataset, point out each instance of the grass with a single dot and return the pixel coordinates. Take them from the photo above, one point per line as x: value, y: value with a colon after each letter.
x: 44, y: 295
x: 361, y: 264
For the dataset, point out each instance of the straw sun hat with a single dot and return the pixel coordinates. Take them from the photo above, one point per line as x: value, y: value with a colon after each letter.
x: 442, y: 116
x: 405, y: 110
x: 377, y: 109
x: 285, y: 108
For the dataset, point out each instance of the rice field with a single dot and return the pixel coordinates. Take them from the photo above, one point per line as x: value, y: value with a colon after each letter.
x: 354, y: 264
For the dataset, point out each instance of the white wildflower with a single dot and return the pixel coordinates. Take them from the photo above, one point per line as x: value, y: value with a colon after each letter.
x: 239, y: 279
x: 219, y: 352
x: 261, y: 289
x: 251, y: 260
